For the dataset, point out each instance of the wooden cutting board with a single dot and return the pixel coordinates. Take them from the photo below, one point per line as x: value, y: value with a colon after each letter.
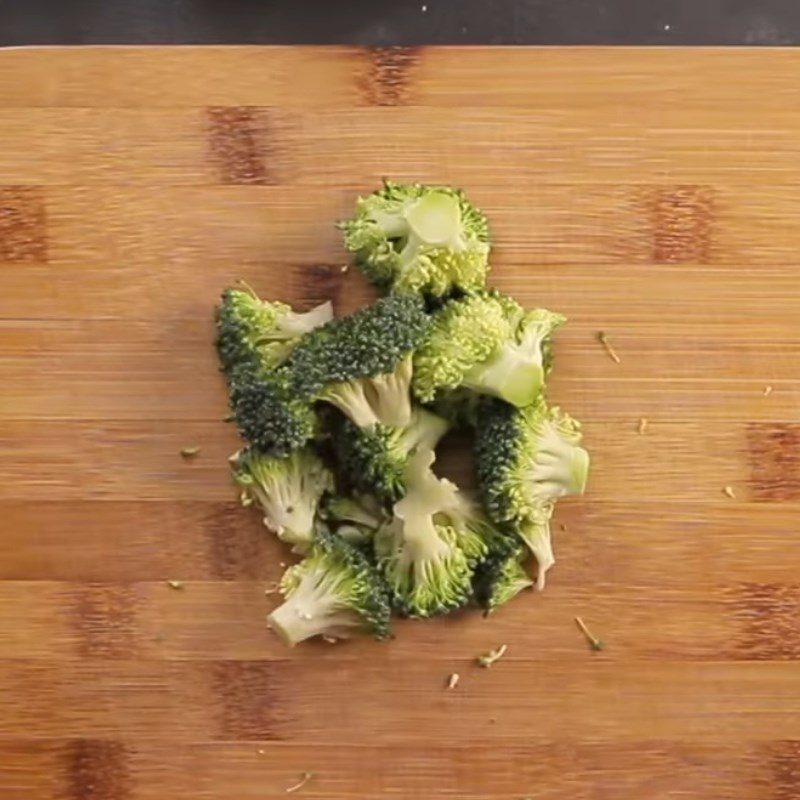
x: 653, y: 194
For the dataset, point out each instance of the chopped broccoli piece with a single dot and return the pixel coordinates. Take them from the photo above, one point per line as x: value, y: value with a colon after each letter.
x: 486, y: 343
x: 260, y: 331
x: 374, y: 459
x: 527, y: 458
x: 268, y: 413
x: 362, y: 363
x: 333, y: 592
x: 287, y: 490
x: 427, y: 553
x: 420, y: 239
x: 502, y: 576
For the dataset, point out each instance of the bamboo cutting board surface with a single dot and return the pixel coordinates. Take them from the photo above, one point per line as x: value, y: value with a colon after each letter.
x: 651, y: 194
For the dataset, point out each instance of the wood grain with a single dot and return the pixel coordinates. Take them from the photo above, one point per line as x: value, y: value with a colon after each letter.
x: 653, y: 194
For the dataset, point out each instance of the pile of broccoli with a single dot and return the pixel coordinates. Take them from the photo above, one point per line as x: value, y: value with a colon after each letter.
x: 341, y: 418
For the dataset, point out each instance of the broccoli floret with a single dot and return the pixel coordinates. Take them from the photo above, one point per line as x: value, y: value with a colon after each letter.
x: 428, y: 552
x: 268, y: 412
x: 414, y: 238
x: 374, y: 459
x: 260, y: 331
x: 526, y: 460
x: 502, y: 576
x: 362, y: 363
x: 287, y: 490
x: 333, y: 592
x: 355, y: 517
x: 486, y: 343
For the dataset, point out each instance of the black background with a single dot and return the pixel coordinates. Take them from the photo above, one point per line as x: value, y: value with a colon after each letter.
x: 385, y: 22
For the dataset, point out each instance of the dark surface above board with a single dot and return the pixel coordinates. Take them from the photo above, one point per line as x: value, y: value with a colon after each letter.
x: 401, y: 22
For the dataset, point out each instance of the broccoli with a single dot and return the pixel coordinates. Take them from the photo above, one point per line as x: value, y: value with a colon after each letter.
x: 255, y: 330
x: 362, y: 363
x: 268, y: 412
x: 487, y: 343
x: 419, y: 239
x: 287, y: 490
x: 526, y: 459
x: 534, y: 530
x: 373, y: 459
x: 333, y: 592
x: 427, y: 553
x: 355, y: 517
x: 501, y: 576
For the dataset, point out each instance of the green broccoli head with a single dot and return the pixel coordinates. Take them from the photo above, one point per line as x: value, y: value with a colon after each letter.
x: 361, y: 363
x: 269, y: 414
x: 486, y: 343
x: 502, y: 576
x: 419, y: 239
x: 333, y: 592
x: 288, y: 490
x: 254, y: 330
x: 374, y: 459
x: 527, y: 458
x: 355, y: 517
x: 424, y: 553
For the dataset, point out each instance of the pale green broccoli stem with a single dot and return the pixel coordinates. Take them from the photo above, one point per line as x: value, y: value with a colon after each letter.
x: 536, y: 535
x: 352, y: 400
x: 559, y: 467
x: 425, y: 561
x: 513, y: 374
x: 390, y: 395
x: 313, y: 608
x: 434, y: 223
x: 295, y: 324
x: 384, y: 399
x: 423, y: 431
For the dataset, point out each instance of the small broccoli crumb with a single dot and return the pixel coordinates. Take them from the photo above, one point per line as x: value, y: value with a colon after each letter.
x: 596, y: 644
x: 603, y: 339
x: 728, y: 492
x: 189, y: 452
x: 175, y: 584
x: 487, y: 659
x: 642, y: 428
x: 453, y: 680
x: 304, y: 779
